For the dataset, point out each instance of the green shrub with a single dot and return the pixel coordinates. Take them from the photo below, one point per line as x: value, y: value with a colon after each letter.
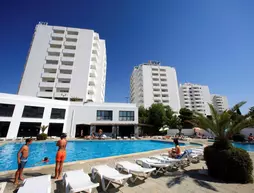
x: 239, y: 137
x: 230, y: 165
x: 42, y: 136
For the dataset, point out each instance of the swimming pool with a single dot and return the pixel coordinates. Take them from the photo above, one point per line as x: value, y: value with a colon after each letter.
x: 76, y: 150
x: 245, y: 146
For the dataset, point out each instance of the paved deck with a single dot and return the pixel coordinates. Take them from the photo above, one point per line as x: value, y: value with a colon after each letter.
x: 186, y: 180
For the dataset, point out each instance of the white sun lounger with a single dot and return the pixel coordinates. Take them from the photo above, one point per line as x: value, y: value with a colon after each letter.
x: 118, y: 137
x: 2, y: 186
x: 185, y: 159
x: 40, y: 184
x: 77, y: 181
x: 153, y: 163
x: 174, y: 162
x: 134, y: 169
x: 125, y: 138
x: 112, y: 175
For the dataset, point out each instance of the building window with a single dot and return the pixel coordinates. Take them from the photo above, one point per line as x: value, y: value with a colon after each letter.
x: 57, y: 113
x: 33, y: 112
x: 126, y: 115
x: 4, y: 127
x: 104, y: 115
x: 6, y: 110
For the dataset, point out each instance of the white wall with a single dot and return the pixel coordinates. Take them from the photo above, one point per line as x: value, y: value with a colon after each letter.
x: 35, y: 61
x: 79, y: 79
x: 174, y: 100
x: 147, y: 85
x: 247, y: 131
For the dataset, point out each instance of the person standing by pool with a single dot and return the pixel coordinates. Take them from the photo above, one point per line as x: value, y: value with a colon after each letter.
x: 22, y: 160
x: 60, y: 155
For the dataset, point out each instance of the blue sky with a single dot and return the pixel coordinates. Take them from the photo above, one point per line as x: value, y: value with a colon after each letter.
x: 208, y: 42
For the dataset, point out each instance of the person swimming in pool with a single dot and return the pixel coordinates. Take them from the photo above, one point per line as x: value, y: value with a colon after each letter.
x: 60, y: 155
x: 22, y: 160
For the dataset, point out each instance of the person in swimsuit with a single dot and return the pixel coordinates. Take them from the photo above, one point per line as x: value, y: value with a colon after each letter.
x: 22, y: 160
x: 100, y: 134
x: 60, y: 155
x: 175, y: 152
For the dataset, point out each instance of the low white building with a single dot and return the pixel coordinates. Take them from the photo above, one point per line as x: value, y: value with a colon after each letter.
x: 22, y: 116
x: 195, y: 97
x: 219, y: 102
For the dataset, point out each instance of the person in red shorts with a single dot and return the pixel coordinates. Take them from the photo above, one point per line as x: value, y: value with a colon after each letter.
x: 60, y: 155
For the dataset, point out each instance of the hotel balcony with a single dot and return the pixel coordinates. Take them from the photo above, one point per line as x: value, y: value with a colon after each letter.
x: 48, y: 75
x: 67, y: 59
x: 63, y: 85
x: 57, y: 35
x: 64, y: 76
x: 54, y: 42
x: 45, y: 94
x: 56, y: 58
x: 47, y: 84
x: 61, y: 95
x: 50, y: 66
x: 70, y: 43
x: 93, y: 73
x: 68, y: 51
x: 66, y: 67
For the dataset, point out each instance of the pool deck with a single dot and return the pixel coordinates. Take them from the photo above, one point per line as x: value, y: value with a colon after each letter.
x: 186, y: 180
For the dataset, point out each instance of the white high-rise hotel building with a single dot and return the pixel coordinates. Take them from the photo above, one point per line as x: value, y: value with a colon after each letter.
x: 65, y: 63
x: 152, y: 83
x: 219, y: 102
x: 195, y: 97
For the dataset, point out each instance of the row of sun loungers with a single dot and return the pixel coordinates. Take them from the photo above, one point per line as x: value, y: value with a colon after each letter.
x: 78, y: 180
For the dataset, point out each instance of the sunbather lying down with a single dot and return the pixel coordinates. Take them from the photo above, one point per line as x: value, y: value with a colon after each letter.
x: 175, y: 152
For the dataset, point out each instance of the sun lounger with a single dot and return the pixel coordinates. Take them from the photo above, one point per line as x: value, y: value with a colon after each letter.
x: 112, y: 175
x: 133, y: 138
x: 153, y: 163
x: 2, y: 138
x: 134, y: 169
x: 184, y: 160
x: 125, y: 138
x: 40, y: 184
x: 2, y: 186
x: 77, y: 181
x: 118, y: 137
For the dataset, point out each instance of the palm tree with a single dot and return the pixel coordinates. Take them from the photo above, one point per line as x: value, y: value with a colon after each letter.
x: 43, y: 128
x: 223, y: 125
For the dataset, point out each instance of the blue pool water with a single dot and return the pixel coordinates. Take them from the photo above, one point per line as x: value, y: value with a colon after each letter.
x: 76, y: 150
x: 245, y: 146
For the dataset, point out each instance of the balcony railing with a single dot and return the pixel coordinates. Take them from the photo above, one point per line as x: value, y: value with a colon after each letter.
x: 65, y: 76
x: 45, y: 94
x: 66, y: 67
x: 48, y: 75
x: 61, y: 95
x: 50, y: 66
x: 47, y: 84
x: 93, y: 73
x: 63, y: 85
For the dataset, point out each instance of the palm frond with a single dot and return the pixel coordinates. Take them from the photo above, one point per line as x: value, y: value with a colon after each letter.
x: 238, y: 106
